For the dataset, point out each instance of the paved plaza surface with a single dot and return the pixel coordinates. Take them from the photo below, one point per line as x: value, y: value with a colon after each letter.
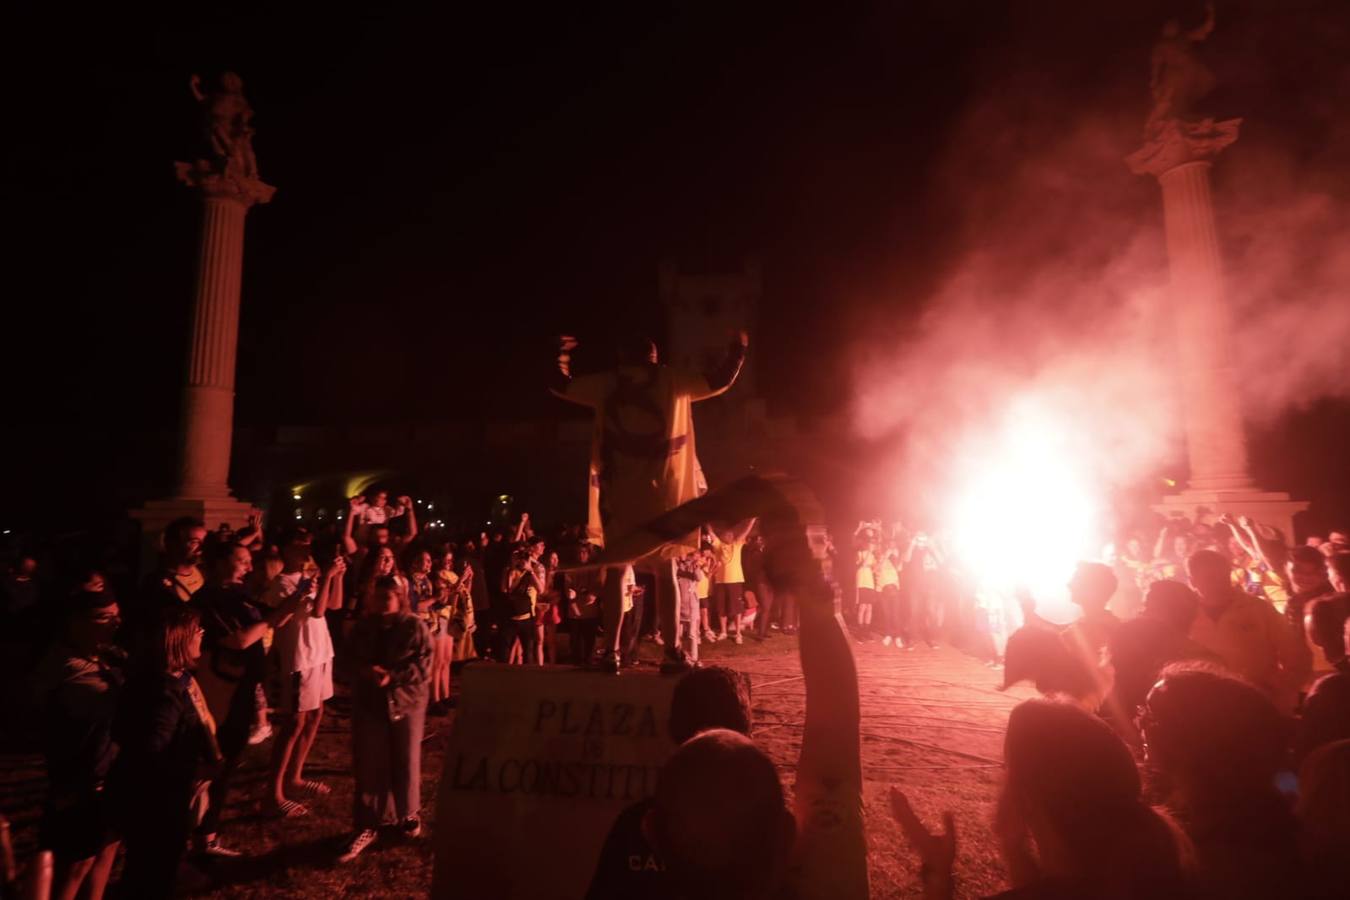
x: 932, y: 723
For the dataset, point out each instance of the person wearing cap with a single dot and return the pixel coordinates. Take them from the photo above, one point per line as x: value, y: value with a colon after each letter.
x: 78, y: 685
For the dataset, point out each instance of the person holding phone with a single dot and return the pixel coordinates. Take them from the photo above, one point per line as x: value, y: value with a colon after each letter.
x: 305, y: 659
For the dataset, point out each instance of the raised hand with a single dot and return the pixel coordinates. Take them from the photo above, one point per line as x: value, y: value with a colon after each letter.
x: 937, y: 851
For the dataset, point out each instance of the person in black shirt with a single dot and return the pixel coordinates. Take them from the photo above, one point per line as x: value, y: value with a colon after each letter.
x: 79, y: 683
x: 234, y: 664
x: 168, y: 751
x: 705, y: 699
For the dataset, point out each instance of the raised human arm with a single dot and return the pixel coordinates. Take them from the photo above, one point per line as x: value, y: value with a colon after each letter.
x: 275, y: 618
x: 561, y: 383
x: 722, y: 376
x: 330, y: 589
x: 744, y: 531
x: 1205, y: 28
x: 354, y: 506
x: 412, y: 526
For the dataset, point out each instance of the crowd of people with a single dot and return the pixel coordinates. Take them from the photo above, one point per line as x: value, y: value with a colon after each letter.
x: 1194, y: 739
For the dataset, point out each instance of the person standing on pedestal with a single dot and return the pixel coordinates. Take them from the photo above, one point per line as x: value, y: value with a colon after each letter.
x: 643, y: 462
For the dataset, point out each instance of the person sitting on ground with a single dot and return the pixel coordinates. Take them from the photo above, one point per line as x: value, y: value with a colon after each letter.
x: 79, y: 682
x: 1324, y: 816
x: 712, y: 698
x: 235, y: 664
x: 1072, y: 819
x: 1213, y: 747
x: 167, y: 755
x: 305, y: 664
x: 391, y: 655
x: 720, y: 820
x: 1246, y: 633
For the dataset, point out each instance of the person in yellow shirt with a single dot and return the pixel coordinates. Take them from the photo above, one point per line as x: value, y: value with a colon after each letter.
x: 643, y: 463
x: 729, y: 579
x: 1247, y: 633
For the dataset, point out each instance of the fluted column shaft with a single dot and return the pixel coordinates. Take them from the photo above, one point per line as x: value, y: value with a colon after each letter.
x: 1215, y: 442
x: 208, y: 395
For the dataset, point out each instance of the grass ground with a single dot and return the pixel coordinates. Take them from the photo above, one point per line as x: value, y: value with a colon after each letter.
x: 932, y: 724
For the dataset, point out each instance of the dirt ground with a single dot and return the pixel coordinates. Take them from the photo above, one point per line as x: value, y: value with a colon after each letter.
x: 932, y: 723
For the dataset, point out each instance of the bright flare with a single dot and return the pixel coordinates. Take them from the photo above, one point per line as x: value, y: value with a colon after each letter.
x: 1025, y: 511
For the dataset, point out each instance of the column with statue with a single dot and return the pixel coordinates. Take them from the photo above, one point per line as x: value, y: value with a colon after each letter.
x: 225, y: 176
x: 1179, y: 150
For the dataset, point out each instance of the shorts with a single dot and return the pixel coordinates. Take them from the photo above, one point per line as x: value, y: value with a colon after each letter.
x: 306, y: 690
x: 79, y: 829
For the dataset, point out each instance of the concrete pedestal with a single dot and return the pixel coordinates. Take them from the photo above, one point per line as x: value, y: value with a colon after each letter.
x: 1274, y: 508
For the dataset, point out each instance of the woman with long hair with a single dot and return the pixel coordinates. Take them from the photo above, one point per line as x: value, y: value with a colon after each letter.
x: 1213, y: 748
x: 391, y: 655
x: 168, y: 754
x: 1072, y: 819
x: 548, y: 614
x: 436, y: 616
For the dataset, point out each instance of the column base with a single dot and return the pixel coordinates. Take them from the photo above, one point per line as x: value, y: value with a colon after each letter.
x: 1274, y: 508
x: 156, y: 514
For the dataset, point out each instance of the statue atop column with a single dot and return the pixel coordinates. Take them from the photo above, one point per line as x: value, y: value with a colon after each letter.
x: 227, y: 165
x: 1178, y: 81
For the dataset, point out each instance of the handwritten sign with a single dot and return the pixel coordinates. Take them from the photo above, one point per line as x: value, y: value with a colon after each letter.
x: 538, y: 763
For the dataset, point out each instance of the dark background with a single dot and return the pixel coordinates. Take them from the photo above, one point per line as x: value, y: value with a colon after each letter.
x: 456, y: 185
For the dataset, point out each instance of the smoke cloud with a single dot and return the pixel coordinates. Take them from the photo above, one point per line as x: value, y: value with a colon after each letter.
x: 1055, y: 297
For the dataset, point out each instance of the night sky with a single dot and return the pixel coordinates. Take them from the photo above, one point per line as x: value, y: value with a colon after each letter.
x: 456, y: 186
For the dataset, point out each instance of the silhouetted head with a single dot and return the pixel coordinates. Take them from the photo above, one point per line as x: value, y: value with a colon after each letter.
x: 1092, y: 586
x: 1338, y: 571
x: 1040, y: 656
x: 1307, y: 569
x: 1211, y: 574
x: 1074, y: 784
x: 708, y: 698
x: 636, y: 350
x: 719, y: 819
x: 183, y: 540
x: 1172, y: 602
x: 1211, y: 734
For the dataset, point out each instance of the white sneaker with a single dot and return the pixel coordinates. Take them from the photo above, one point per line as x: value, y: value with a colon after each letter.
x: 738, y: 639
x: 722, y: 635
x: 259, y: 734
x: 710, y: 637
x: 657, y: 639
x: 886, y: 641
x: 359, y: 842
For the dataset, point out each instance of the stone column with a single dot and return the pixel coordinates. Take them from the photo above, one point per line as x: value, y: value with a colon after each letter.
x: 208, y: 395
x: 1179, y: 154
x: 227, y: 182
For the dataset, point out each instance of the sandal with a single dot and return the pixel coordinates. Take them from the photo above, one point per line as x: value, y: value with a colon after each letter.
x: 313, y: 789
x: 286, y: 809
